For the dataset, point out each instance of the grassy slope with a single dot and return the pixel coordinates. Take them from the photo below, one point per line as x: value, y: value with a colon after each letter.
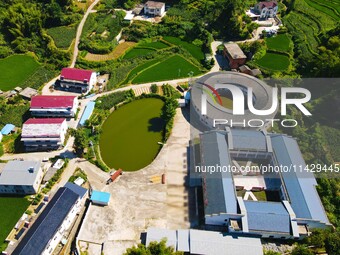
x: 130, y: 135
x: 280, y: 42
x: 15, y: 70
x: 275, y: 62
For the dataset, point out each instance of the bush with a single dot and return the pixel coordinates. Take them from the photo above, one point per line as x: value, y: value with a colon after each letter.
x: 154, y: 88
x: 111, y: 100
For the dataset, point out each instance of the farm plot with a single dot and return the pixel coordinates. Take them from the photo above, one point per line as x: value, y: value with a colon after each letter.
x: 62, y: 36
x: 15, y: 70
x: 116, y: 53
x: 174, y: 67
x: 11, y: 210
x: 280, y: 42
x: 194, y: 50
x: 274, y: 62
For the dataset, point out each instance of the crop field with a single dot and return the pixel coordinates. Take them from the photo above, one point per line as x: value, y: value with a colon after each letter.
x: 280, y: 42
x: 308, y: 19
x: 195, y: 51
x: 174, y: 67
x: 11, y: 210
x: 137, y: 52
x: 154, y: 45
x: 116, y: 53
x: 273, y: 61
x: 329, y: 7
x: 62, y: 36
x: 15, y: 70
x: 130, y: 135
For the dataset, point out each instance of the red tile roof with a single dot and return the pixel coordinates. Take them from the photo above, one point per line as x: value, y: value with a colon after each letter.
x: 270, y: 4
x: 45, y: 121
x: 76, y: 74
x: 52, y: 101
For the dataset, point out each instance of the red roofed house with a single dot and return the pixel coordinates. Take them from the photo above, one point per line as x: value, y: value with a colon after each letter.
x: 54, y: 106
x: 77, y: 79
x: 44, y: 134
x: 266, y: 9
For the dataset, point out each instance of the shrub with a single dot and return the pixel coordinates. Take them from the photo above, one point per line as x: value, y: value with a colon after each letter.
x: 154, y: 88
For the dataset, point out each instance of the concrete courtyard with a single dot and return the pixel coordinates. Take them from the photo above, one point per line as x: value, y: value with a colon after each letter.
x: 139, y: 200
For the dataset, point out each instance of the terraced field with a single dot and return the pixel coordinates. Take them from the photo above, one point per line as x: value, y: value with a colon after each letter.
x: 308, y: 19
x: 116, y: 53
x: 281, y: 42
x: 273, y: 61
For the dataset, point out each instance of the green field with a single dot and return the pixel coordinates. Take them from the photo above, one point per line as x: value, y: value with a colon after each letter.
x: 155, y: 45
x: 15, y: 70
x: 330, y: 8
x: 137, y: 52
x: 273, y: 61
x: 195, y: 51
x: 130, y: 135
x: 280, y: 42
x: 62, y: 36
x: 11, y: 210
x: 174, y: 67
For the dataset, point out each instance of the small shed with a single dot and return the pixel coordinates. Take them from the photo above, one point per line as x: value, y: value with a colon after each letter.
x: 79, y: 181
x: 7, y: 129
x: 100, y: 198
x: 28, y: 93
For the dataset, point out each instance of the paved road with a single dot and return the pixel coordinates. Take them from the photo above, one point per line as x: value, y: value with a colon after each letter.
x: 79, y: 31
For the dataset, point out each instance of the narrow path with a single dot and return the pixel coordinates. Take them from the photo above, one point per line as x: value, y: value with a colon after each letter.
x: 79, y: 31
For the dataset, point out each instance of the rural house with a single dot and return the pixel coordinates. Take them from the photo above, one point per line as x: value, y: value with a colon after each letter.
x: 21, y: 177
x: 44, y: 134
x: 154, y: 8
x: 266, y: 9
x: 234, y: 54
x: 54, y: 106
x: 52, y: 224
x: 81, y: 81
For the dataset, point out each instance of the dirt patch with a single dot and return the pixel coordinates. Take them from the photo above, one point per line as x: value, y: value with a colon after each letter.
x: 116, y: 53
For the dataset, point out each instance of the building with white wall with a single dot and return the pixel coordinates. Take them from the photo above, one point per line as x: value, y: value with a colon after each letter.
x: 154, y: 8
x: 54, y: 106
x: 266, y: 9
x: 78, y: 80
x: 21, y: 177
x: 44, y: 134
x: 49, y: 228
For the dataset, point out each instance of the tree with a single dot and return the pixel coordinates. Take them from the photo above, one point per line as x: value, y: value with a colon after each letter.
x: 80, y: 142
x: 302, y: 250
x: 332, y: 243
x: 154, y: 88
x: 154, y: 248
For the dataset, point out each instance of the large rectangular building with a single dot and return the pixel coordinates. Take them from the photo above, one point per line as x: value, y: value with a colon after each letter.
x: 234, y: 54
x: 21, y: 177
x: 49, y: 228
x: 241, y: 193
x: 78, y: 80
x: 54, y: 106
x: 44, y: 134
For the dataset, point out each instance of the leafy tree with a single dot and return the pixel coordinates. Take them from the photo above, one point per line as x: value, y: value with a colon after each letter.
x: 301, y: 250
x: 154, y: 88
x: 80, y: 142
x: 154, y: 248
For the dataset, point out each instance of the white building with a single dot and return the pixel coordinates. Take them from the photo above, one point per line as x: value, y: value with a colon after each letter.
x: 77, y: 80
x: 154, y: 8
x: 266, y: 9
x: 51, y: 225
x: 44, y: 134
x: 54, y: 106
x: 21, y: 177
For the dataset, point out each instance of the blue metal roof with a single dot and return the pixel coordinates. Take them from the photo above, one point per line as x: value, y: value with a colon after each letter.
x: 300, y: 186
x: 80, y: 191
x: 99, y: 196
x: 8, y: 128
x: 220, y: 191
x: 267, y: 216
x: 87, y: 112
x: 47, y: 224
x: 248, y: 140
